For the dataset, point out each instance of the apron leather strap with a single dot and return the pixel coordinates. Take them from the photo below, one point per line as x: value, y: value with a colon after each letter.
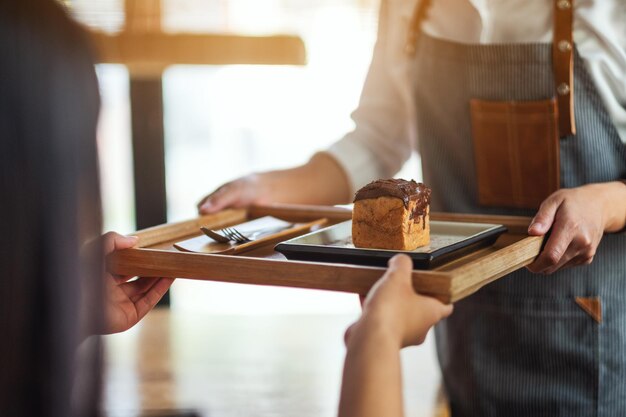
x: 563, y: 64
x: 562, y: 57
x: 415, y: 26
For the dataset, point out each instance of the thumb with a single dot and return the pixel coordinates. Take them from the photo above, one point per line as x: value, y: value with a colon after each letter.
x: 544, y: 218
x: 400, y: 266
x: 112, y: 241
x: 125, y: 242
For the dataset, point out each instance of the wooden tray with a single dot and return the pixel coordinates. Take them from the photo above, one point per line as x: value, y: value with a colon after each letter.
x: 155, y: 255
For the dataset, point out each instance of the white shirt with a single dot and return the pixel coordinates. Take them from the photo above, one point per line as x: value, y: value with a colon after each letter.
x: 384, y: 135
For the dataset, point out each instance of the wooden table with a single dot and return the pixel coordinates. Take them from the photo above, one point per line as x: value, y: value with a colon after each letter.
x: 223, y: 366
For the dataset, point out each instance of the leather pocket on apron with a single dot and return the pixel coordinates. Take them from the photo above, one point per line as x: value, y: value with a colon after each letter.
x: 516, y: 151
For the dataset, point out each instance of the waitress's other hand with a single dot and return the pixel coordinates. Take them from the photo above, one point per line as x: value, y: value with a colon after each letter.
x: 578, y: 218
x: 320, y: 181
x: 126, y: 303
x: 242, y: 192
x: 394, y: 312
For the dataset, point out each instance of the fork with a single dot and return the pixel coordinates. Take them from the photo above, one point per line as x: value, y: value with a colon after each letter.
x: 235, y: 235
x: 229, y: 234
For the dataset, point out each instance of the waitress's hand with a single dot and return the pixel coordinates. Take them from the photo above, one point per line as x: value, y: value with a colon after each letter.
x: 126, y: 303
x: 578, y: 218
x: 319, y: 181
x: 242, y: 192
x: 394, y: 312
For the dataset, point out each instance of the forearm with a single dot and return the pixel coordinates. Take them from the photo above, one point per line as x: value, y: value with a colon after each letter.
x: 372, y: 380
x: 319, y: 181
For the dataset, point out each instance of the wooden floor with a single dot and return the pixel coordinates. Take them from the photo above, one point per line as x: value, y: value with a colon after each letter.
x: 227, y: 366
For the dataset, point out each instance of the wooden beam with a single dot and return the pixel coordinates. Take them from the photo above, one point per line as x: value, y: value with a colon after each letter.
x: 142, y: 15
x: 146, y: 98
x: 162, y: 49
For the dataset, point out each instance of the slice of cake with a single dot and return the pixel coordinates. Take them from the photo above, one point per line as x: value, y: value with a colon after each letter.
x: 391, y: 214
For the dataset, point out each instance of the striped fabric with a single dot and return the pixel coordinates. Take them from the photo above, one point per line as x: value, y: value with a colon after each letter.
x: 522, y: 346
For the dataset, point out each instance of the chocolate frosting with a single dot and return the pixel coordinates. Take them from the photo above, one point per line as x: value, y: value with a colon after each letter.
x: 398, y: 188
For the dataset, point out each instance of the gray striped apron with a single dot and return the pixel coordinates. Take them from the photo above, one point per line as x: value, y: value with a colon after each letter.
x: 522, y: 346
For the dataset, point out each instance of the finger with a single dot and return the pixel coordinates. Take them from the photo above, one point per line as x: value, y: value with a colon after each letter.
x: 544, y: 218
x: 585, y: 255
x: 427, y: 312
x: 108, y: 242
x: 121, y: 279
x: 439, y: 310
x: 206, y: 203
x: 562, y: 235
x: 137, y: 288
x: 347, y: 333
x: 446, y: 310
x: 206, y: 199
x: 570, y: 254
x: 223, y: 197
x: 400, y: 266
x: 125, y: 242
x: 113, y: 241
x: 202, y: 201
x: 139, y: 295
x: 152, y: 297
x: 579, y: 260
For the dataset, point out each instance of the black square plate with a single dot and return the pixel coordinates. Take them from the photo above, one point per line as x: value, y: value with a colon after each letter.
x: 448, y: 240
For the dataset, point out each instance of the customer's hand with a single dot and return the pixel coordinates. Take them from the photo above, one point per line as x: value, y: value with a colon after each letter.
x: 393, y: 311
x: 128, y: 302
x: 578, y: 218
x: 319, y: 181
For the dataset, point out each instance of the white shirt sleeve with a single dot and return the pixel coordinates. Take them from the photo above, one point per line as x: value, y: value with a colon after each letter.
x: 383, y: 137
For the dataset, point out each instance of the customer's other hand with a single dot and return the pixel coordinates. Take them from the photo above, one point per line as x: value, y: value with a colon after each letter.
x: 127, y: 302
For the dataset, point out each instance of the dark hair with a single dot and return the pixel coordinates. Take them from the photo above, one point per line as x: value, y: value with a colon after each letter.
x: 49, y: 208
